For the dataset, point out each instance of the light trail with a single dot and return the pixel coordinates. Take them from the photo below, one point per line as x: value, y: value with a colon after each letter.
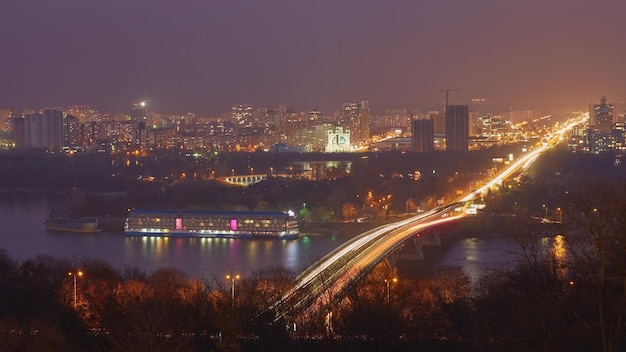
x: 347, y: 263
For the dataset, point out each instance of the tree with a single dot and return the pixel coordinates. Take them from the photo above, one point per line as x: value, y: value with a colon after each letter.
x: 261, y: 289
x: 348, y: 211
x: 372, y: 312
x: 598, y: 249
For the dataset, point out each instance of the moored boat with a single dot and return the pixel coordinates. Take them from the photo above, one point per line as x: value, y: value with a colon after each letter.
x: 82, y: 225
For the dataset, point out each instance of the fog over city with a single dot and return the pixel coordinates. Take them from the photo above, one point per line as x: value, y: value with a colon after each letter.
x: 204, y: 56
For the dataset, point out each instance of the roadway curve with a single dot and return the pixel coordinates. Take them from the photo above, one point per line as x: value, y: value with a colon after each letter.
x: 325, y: 281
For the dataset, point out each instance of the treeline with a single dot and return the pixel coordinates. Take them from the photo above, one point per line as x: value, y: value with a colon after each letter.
x: 36, y: 170
x: 563, y: 290
x: 164, y: 178
x: 375, y: 185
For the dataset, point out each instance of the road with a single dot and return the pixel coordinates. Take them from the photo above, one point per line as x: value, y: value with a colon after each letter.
x: 324, y: 281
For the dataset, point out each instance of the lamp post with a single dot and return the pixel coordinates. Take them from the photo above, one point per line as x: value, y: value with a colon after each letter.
x: 232, y: 279
x: 560, y: 214
x: 388, y: 282
x: 78, y: 273
x: 546, y: 211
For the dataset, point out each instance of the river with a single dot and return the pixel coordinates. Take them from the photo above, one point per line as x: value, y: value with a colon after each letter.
x: 24, y: 236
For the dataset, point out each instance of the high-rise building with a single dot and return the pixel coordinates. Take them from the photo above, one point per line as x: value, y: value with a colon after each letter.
x: 457, y: 128
x: 18, y: 130
x: 32, y: 130
x: 41, y: 130
x: 139, y: 112
x: 313, y: 118
x: 141, y: 135
x: 602, y: 134
x: 89, y: 133
x: 242, y: 115
x: 423, y: 135
x: 271, y: 119
x: 71, y: 133
x: 440, y: 122
x: 52, y: 129
x: 602, y: 116
x: 392, y: 118
x: 356, y: 117
x: 474, y: 122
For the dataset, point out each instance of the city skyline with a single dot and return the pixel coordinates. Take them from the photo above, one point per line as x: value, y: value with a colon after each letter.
x: 204, y: 56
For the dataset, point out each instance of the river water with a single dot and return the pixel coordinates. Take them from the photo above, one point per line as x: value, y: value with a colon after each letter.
x: 24, y: 236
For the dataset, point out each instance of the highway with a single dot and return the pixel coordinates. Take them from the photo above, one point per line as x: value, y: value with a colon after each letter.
x: 325, y: 281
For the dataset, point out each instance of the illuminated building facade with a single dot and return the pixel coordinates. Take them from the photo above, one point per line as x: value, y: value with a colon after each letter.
x: 603, y: 133
x: 338, y: 141
x: 229, y: 224
x: 71, y: 131
x: 602, y: 116
x: 242, y: 115
x: 356, y: 118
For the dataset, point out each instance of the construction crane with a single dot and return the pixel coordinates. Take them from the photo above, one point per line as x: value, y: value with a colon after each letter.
x: 447, y: 91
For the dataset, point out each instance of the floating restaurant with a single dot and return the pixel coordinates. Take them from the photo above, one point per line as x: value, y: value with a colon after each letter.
x: 199, y: 223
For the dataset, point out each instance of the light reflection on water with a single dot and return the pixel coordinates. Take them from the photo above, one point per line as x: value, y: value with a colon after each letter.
x: 24, y: 237
x: 478, y: 256
x: 203, y: 257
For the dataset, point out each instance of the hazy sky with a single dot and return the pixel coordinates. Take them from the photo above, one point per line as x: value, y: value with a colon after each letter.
x: 204, y: 55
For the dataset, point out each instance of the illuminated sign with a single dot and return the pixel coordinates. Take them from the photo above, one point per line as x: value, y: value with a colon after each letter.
x: 233, y: 224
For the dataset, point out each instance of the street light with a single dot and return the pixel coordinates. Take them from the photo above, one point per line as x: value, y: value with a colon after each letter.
x: 232, y: 279
x: 388, y: 282
x: 546, y: 211
x: 560, y: 214
x: 78, y: 273
x: 232, y: 171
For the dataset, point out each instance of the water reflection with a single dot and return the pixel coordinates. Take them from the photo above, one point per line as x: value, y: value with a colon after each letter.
x: 559, y: 249
x: 24, y: 236
x: 477, y: 256
x: 203, y: 257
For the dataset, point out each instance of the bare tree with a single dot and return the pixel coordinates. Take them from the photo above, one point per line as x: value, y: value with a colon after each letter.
x: 598, y: 249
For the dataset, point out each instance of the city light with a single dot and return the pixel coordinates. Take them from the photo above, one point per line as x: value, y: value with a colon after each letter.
x: 232, y: 279
x: 74, y: 275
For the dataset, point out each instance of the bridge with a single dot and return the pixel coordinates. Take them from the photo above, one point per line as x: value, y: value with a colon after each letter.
x: 324, y: 283
x: 243, y: 180
x: 247, y: 180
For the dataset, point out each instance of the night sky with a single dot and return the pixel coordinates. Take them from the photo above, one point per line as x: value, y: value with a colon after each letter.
x: 204, y: 55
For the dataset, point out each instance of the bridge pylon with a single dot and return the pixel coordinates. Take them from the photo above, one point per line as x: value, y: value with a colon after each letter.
x: 412, y: 249
x: 390, y: 260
